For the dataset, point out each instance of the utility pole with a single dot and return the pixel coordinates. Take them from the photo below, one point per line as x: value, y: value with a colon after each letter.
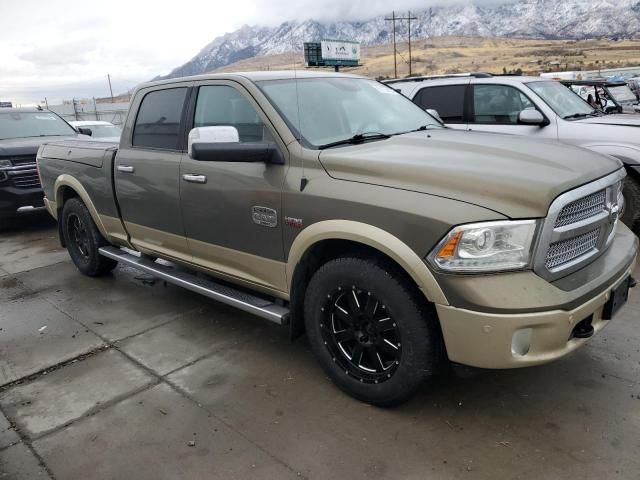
x: 395, y: 62
x: 395, y: 49
x: 409, y: 17
x: 110, y: 89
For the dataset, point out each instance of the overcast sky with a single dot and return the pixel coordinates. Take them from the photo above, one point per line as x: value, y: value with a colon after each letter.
x: 65, y: 48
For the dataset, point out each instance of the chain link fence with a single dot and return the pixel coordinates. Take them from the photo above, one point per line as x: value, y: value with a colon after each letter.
x: 72, y: 110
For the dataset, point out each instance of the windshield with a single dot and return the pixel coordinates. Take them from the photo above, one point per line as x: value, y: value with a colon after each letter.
x: 336, y: 109
x: 562, y: 100
x: 622, y: 94
x: 101, y: 131
x: 32, y: 124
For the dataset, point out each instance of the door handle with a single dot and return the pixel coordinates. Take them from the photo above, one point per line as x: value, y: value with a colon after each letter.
x: 193, y: 178
x: 126, y: 169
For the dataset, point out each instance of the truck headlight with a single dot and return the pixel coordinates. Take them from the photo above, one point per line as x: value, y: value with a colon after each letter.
x: 486, y: 247
x: 5, y: 163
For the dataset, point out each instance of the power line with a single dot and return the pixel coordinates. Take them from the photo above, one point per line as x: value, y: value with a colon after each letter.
x: 395, y: 49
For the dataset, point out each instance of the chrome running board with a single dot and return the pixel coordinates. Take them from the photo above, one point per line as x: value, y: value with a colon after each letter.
x: 228, y: 295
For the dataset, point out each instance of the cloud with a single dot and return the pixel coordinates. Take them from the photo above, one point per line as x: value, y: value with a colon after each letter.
x: 276, y: 11
x: 66, y: 48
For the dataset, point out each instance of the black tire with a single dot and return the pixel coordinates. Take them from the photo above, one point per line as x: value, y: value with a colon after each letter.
x: 383, y: 310
x: 631, y: 215
x: 83, y: 239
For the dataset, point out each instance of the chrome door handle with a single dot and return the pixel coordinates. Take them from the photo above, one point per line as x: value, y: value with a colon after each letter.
x: 126, y: 169
x: 190, y: 177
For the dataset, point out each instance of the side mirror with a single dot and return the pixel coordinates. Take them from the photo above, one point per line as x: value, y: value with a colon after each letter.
x: 434, y: 113
x: 85, y: 131
x: 217, y: 134
x: 532, y: 117
x: 222, y: 144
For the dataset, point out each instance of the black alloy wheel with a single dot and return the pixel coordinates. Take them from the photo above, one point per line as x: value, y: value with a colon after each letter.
x: 79, y: 235
x: 361, y: 336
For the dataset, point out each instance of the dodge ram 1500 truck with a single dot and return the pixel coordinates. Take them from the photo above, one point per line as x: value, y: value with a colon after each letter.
x: 335, y: 205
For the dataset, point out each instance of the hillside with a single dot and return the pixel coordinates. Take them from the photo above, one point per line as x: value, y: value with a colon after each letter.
x: 462, y: 54
x: 533, y: 19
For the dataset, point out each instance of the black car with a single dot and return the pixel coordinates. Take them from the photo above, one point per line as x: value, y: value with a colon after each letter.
x: 22, y: 131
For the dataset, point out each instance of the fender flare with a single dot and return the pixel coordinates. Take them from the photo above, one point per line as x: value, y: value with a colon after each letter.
x: 373, y: 237
x: 66, y: 180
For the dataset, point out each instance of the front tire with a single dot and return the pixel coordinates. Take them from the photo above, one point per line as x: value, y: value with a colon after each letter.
x: 83, y: 240
x: 370, y: 330
x: 631, y: 215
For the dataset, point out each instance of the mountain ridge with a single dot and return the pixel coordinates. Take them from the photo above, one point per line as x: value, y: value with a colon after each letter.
x: 542, y: 19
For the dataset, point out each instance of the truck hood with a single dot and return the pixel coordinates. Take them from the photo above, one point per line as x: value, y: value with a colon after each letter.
x: 511, y: 175
x: 26, y: 146
x: 626, y: 120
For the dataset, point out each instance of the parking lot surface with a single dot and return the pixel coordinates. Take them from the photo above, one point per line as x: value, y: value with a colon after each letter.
x: 126, y: 377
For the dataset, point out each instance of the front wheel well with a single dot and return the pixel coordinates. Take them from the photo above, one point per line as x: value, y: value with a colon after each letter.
x: 319, y: 254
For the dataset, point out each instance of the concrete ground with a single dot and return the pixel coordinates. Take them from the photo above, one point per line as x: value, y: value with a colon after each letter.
x: 124, y: 377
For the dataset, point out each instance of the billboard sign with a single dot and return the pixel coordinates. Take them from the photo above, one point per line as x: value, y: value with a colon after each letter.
x: 340, y: 51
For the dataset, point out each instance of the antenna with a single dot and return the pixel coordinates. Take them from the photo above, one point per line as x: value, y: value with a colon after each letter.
x: 303, y: 180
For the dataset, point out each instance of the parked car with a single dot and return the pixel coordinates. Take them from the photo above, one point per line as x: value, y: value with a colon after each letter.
x: 608, y: 96
x: 22, y: 131
x: 98, y: 129
x: 333, y: 204
x: 634, y: 85
x: 536, y: 107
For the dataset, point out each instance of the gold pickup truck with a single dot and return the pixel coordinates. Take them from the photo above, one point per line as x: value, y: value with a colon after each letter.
x: 334, y: 205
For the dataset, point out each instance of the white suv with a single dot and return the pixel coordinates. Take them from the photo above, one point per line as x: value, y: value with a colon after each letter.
x: 536, y: 107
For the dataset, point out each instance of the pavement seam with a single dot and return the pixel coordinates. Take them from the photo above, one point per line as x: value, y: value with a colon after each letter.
x: 36, y: 375
x: 27, y: 442
x: 231, y: 427
x: 178, y: 390
x: 37, y: 268
x: 97, y: 409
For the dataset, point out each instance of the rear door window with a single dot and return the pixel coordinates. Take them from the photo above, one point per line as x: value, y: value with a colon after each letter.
x: 498, y: 104
x: 158, y: 121
x: 448, y: 100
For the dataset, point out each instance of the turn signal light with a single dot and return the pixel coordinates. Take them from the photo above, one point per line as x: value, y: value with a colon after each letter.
x: 449, y: 248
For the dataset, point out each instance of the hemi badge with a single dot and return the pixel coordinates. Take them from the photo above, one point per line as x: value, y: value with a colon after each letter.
x: 293, y: 222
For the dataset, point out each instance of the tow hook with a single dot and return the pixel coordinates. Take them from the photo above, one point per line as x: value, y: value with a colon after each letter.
x: 632, y: 282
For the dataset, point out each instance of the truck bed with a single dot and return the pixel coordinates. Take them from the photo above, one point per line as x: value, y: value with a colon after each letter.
x: 81, y: 164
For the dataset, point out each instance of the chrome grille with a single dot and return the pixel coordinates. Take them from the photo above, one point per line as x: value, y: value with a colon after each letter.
x: 565, y: 251
x: 582, y: 209
x: 23, y: 159
x: 25, y: 178
x: 579, y: 227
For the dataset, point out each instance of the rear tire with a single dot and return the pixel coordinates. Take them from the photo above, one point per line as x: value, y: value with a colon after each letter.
x: 631, y: 215
x: 83, y: 239
x: 370, y: 330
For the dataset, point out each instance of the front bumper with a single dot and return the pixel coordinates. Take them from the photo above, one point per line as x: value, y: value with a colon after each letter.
x: 488, y: 332
x: 18, y: 201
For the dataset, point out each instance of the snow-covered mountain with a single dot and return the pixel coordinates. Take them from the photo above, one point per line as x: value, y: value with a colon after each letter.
x: 552, y: 19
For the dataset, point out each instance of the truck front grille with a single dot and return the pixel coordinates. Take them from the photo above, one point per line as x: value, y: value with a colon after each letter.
x: 565, y: 251
x: 579, y: 227
x: 23, y: 159
x: 582, y: 209
x: 25, y: 178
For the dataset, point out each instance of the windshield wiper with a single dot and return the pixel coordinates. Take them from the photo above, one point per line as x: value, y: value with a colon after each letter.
x: 420, y: 129
x: 356, y: 139
x: 594, y: 113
